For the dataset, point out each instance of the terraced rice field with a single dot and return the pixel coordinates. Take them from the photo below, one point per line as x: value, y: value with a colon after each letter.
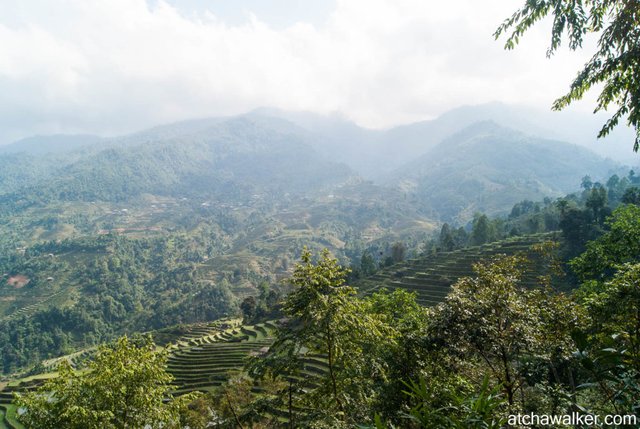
x: 33, y: 307
x: 76, y: 360
x: 431, y: 277
x: 201, y: 358
x: 205, y: 358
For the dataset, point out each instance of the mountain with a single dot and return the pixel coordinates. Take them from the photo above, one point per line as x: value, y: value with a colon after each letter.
x: 180, y: 222
x: 488, y: 168
x: 360, y: 148
x: 372, y: 153
x: 235, y: 158
x: 375, y: 153
x: 272, y: 151
x: 53, y: 144
x: 570, y: 125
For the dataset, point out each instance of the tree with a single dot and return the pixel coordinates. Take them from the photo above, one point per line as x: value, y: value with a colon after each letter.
x: 631, y: 196
x: 324, y: 317
x: 619, y: 245
x: 483, y: 231
x: 577, y: 228
x: 614, y: 307
x: 597, y: 203
x: 368, y: 265
x: 398, y: 252
x: 482, y: 410
x: 248, y: 307
x: 446, y: 238
x: 125, y: 387
x: 615, y: 63
x: 492, y: 319
x: 403, y: 358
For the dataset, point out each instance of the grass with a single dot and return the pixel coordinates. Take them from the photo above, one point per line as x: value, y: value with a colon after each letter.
x: 8, y: 417
x: 3, y: 423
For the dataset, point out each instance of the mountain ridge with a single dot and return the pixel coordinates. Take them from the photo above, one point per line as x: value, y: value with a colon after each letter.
x: 460, y: 175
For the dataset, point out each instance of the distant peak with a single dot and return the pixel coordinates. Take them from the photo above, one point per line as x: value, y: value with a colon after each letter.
x: 483, y: 127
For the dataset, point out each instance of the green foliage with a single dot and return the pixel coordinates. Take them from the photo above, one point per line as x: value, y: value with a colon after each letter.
x: 597, y: 202
x: 619, y: 245
x: 399, y: 360
x: 368, y: 265
x: 125, y: 387
x: 612, y: 377
x: 614, y: 65
x: 338, y: 359
x: 398, y: 252
x: 485, y: 314
x: 325, y: 318
x: 445, y: 240
x: 631, y: 196
x: 126, y: 284
x: 330, y: 320
x: 614, y: 307
x: 460, y: 176
x: 482, y: 231
x: 481, y: 410
x: 491, y: 323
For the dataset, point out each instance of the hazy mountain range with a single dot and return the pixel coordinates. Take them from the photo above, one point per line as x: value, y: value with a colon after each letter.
x: 479, y: 158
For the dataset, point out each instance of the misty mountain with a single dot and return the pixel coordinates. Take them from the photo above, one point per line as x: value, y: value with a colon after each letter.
x: 235, y: 158
x: 568, y: 125
x: 488, y: 168
x: 360, y: 148
x: 53, y: 144
x: 449, y: 166
x: 375, y: 153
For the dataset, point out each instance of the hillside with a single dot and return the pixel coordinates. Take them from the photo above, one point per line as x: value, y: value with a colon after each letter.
x: 376, y: 153
x: 53, y: 144
x: 235, y: 159
x: 431, y: 277
x: 131, y: 233
x: 271, y: 153
x: 488, y: 168
x: 203, y: 355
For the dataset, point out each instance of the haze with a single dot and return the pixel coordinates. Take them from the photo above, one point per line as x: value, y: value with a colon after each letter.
x: 114, y: 66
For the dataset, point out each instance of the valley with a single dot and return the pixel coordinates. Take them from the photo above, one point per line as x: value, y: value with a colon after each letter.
x: 192, y: 231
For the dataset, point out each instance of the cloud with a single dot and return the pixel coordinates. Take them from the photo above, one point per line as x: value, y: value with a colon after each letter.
x: 112, y: 66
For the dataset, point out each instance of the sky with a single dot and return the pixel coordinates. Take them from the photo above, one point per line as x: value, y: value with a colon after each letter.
x: 109, y: 67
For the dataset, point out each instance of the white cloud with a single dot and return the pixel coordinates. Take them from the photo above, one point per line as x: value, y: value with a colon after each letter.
x: 110, y: 66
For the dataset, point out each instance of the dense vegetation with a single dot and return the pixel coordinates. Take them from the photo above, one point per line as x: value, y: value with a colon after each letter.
x: 463, y: 175
x: 84, y: 291
x: 122, y: 285
x: 455, y: 312
x: 126, y: 385
x: 581, y: 216
x: 492, y: 350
